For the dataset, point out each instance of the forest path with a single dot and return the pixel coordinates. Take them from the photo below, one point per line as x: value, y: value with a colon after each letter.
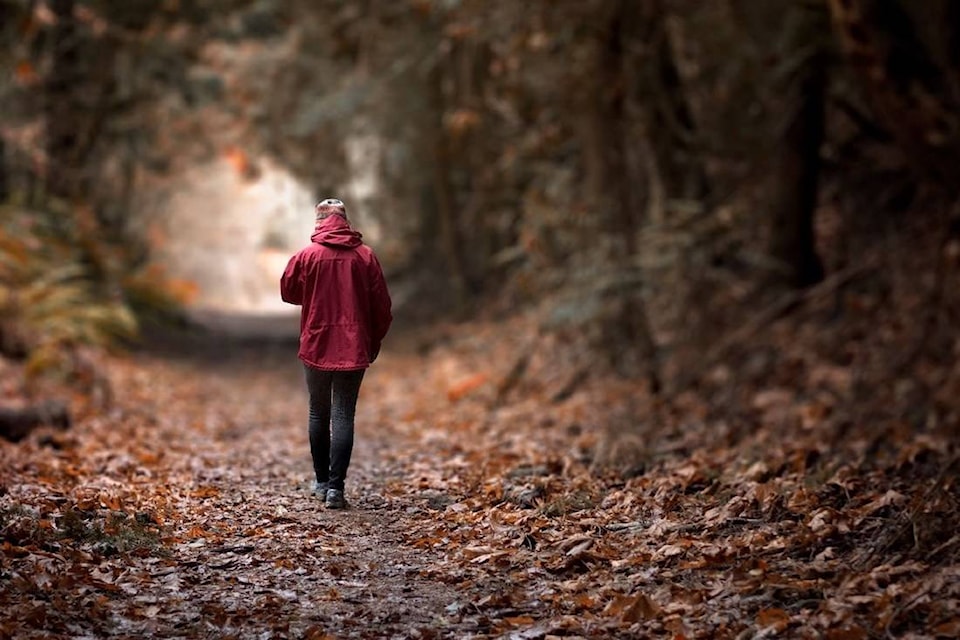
x: 253, y: 552
x: 183, y: 509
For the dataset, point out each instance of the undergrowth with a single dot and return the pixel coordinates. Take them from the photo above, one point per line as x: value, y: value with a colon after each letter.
x: 107, y: 534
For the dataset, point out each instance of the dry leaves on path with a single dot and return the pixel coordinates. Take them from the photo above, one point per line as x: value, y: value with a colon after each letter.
x: 184, y: 511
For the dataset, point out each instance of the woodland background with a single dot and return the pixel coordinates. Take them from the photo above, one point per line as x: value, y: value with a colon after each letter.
x: 740, y: 215
x: 653, y: 172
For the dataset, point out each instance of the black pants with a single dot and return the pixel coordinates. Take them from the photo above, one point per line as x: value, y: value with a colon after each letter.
x: 333, y: 407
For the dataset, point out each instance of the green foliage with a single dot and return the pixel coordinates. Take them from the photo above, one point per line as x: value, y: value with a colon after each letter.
x: 117, y: 533
x: 108, y: 534
x: 53, y: 290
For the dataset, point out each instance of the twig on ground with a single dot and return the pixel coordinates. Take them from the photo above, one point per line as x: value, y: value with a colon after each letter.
x: 908, y: 519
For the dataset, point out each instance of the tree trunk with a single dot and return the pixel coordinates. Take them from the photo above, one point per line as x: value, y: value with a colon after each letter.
x: 618, y: 186
x: 670, y: 126
x: 797, y: 171
x: 448, y: 228
x: 62, y: 124
x: 4, y: 176
x: 7, y: 16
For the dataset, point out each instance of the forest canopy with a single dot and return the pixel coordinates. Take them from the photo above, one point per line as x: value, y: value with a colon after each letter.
x: 651, y: 176
x: 659, y: 180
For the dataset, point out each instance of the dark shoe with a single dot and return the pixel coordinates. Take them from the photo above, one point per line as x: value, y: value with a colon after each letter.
x: 335, y: 499
x: 320, y: 489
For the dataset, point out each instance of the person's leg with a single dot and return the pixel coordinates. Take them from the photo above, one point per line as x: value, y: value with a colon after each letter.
x: 318, y: 424
x: 346, y: 389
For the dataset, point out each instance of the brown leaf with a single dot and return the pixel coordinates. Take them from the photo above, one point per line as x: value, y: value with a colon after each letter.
x: 466, y: 386
x: 316, y: 632
x: 949, y: 629
x: 850, y: 632
x: 25, y: 73
x: 642, y: 608
x: 776, y: 618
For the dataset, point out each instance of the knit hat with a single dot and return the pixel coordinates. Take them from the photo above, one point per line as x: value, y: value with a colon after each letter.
x: 330, y: 206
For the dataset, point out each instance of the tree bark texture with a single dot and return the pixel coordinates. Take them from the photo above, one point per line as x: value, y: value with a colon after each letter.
x: 62, y: 81
x: 669, y: 122
x: 617, y: 181
x: 80, y: 96
x: 797, y: 172
x: 449, y: 232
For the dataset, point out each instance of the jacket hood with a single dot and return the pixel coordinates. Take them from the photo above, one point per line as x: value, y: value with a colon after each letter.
x: 335, y: 231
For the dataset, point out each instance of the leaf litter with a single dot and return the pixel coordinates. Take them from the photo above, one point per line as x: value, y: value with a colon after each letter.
x: 478, y: 509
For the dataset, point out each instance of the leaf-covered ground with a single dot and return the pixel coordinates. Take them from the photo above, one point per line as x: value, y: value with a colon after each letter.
x: 182, y: 508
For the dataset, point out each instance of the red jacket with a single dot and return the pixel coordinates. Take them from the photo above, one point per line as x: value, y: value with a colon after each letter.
x: 345, y: 303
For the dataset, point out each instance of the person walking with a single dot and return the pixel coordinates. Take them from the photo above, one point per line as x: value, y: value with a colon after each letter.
x: 345, y: 315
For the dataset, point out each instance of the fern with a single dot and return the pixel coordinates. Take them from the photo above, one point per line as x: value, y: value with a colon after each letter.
x: 48, y: 296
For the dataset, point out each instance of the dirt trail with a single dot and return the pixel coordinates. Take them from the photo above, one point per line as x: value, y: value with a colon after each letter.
x: 255, y: 553
x: 184, y: 509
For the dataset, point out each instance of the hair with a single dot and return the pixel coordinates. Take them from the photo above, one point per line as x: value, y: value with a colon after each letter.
x: 329, y: 207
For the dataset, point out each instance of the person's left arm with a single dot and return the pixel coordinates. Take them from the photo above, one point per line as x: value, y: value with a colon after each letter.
x: 380, y: 307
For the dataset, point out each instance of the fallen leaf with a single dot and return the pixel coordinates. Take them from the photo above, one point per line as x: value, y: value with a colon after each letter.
x: 777, y: 619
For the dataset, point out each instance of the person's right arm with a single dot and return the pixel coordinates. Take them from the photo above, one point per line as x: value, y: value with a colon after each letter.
x: 291, y: 282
